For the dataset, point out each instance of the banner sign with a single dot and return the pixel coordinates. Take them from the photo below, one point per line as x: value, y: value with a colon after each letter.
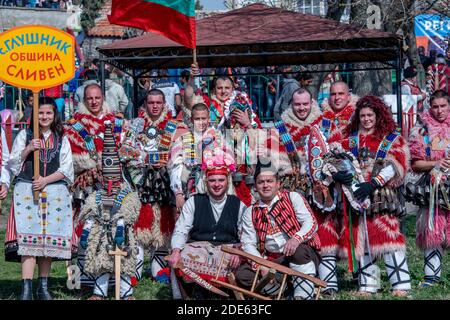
x: 36, y: 57
x: 432, y: 32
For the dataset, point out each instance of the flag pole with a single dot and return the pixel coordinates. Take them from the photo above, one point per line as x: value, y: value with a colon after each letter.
x: 194, y: 55
x: 36, y: 136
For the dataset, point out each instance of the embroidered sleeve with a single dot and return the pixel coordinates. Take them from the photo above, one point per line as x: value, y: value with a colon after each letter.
x: 183, y: 225
x: 305, y: 217
x: 15, y: 160
x: 386, y: 174
x: 5, y: 176
x: 66, y: 161
x: 249, y: 238
x: 175, y: 165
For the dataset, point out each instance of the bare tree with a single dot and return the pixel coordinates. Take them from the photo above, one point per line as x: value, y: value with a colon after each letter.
x: 394, y: 16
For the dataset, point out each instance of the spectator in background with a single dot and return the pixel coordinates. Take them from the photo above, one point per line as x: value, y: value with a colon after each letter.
x: 184, y: 79
x: 306, y: 80
x: 170, y: 89
x: 31, y: 4
x: 115, y: 95
x: 12, y: 3
x: 290, y: 84
x: 54, y: 4
x: 90, y: 76
x: 431, y: 59
x: 410, y: 86
x: 28, y: 108
x: 422, y: 56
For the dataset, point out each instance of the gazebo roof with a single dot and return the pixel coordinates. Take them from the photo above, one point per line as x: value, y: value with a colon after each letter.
x: 258, y: 35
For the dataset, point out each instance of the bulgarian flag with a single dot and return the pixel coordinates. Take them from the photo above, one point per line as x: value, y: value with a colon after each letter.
x: 174, y: 19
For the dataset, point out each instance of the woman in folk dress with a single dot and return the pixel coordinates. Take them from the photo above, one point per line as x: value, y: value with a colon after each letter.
x: 44, y: 227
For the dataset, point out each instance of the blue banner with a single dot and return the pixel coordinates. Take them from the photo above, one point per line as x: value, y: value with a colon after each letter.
x: 432, y: 31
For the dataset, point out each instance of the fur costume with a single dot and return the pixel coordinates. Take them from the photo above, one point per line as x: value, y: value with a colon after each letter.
x: 156, y: 221
x: 82, y: 161
x: 298, y: 130
x: 87, y: 169
x: 383, y: 229
x: 439, y: 139
x: 98, y: 260
x: 339, y: 120
x: 328, y: 223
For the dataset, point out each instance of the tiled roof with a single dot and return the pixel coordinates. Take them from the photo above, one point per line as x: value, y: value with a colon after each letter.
x: 258, y: 23
x: 102, y: 26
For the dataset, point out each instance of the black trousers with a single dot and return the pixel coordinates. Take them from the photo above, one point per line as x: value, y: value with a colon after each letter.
x: 303, y: 255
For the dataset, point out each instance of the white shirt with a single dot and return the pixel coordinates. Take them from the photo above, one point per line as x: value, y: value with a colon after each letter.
x: 170, y: 90
x: 65, y: 156
x: 5, y: 176
x: 275, y: 242
x: 185, y: 222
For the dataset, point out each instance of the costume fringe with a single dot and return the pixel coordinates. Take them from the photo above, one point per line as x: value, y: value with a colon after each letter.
x: 439, y: 237
x: 157, y: 239
x: 83, y: 162
x: 384, y: 236
x: 98, y: 260
x: 327, y: 232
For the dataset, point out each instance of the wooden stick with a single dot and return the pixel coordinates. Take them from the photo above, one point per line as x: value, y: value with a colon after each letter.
x: 318, y: 293
x: 265, y: 280
x: 274, y: 265
x: 194, y: 55
x: 283, y: 284
x: 36, y: 136
x: 255, y: 278
x: 244, y: 291
x: 232, y: 280
x: 222, y: 259
x: 118, y: 253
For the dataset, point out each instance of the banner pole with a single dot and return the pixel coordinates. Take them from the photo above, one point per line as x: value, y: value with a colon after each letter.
x: 36, y: 136
x: 194, y: 55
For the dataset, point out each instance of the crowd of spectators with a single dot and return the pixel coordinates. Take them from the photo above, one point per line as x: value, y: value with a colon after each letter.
x: 52, y: 4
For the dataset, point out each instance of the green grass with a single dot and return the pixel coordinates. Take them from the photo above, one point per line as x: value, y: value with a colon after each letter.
x: 348, y: 287
x: 148, y: 290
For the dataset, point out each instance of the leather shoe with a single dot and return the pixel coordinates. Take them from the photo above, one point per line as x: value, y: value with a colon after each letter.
x: 27, y: 289
x: 42, y: 290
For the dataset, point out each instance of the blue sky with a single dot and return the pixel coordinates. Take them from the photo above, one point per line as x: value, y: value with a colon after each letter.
x: 212, y: 4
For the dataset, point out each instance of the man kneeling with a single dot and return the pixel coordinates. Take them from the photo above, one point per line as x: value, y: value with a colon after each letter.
x: 279, y: 227
x: 207, y: 221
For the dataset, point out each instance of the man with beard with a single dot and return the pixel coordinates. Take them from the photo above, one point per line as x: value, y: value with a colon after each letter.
x: 293, y: 129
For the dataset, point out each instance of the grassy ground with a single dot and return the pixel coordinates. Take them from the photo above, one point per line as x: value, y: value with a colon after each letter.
x: 148, y: 290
